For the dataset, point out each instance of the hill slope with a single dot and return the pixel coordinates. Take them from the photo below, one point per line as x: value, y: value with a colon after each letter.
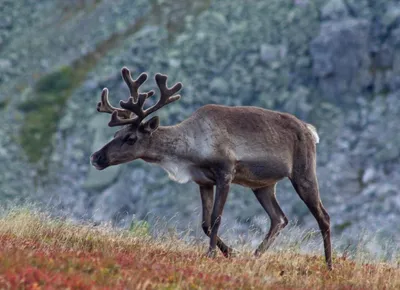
x: 37, y: 252
x: 333, y: 63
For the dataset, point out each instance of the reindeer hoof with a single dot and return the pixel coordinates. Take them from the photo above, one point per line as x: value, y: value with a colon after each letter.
x: 211, y: 254
x: 230, y: 253
x: 258, y: 253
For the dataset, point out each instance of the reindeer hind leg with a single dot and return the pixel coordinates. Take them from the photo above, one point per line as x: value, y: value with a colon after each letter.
x: 306, y: 185
x: 266, y: 197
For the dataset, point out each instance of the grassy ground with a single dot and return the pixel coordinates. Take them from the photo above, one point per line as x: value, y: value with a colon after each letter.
x: 37, y: 252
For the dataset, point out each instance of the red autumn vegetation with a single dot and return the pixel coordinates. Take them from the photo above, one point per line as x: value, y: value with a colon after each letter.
x: 37, y: 252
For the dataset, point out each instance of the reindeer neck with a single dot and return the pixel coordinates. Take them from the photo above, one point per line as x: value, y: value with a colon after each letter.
x: 167, y: 142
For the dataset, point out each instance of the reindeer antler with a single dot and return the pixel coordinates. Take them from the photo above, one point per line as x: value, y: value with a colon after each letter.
x: 167, y: 95
x: 104, y: 106
x: 135, y: 103
x: 134, y: 85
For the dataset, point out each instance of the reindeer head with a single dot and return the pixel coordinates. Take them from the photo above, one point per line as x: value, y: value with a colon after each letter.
x: 131, y: 141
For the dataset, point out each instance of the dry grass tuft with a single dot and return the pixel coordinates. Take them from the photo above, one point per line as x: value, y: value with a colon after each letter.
x: 37, y: 252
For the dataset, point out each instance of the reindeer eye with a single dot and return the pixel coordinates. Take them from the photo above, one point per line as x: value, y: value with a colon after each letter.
x: 129, y: 139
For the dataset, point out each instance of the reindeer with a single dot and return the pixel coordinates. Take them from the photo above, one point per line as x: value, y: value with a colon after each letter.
x: 217, y: 146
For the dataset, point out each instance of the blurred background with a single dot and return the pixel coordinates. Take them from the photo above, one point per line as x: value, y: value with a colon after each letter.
x: 333, y: 63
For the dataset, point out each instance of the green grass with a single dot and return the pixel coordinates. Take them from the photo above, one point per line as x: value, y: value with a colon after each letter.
x: 341, y: 227
x: 46, y: 106
x: 44, y: 109
x: 140, y: 228
x: 4, y: 103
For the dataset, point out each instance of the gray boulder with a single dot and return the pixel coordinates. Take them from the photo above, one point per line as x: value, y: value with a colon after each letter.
x: 341, y: 60
x: 334, y: 10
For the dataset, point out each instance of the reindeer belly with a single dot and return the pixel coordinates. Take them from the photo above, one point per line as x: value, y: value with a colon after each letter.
x: 183, y: 172
x: 249, y: 173
x: 260, y: 173
x: 177, y: 171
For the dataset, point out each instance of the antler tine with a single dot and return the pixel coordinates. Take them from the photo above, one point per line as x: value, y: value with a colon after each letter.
x: 117, y: 121
x: 104, y: 106
x: 135, y: 103
x: 134, y: 85
x: 136, y: 107
x: 166, y: 94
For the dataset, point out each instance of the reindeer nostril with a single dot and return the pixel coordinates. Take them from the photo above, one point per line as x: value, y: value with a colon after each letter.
x: 99, y: 160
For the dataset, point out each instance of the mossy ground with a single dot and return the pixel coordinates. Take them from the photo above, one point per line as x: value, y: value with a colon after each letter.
x: 50, y: 95
x: 44, y: 109
x: 4, y: 103
x: 37, y: 252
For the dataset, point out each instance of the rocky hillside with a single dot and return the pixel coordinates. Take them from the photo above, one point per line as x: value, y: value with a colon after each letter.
x: 335, y: 64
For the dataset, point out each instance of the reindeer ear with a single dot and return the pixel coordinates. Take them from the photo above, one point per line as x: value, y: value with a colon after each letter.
x: 150, y: 126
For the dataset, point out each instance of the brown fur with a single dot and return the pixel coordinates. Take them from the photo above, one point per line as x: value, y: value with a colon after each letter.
x: 219, y: 145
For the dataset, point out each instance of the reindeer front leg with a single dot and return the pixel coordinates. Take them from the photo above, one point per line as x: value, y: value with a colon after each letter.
x: 223, y: 182
x: 207, y: 200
